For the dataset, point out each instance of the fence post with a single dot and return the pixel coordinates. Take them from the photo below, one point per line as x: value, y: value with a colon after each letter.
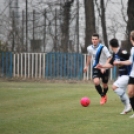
x: 28, y: 58
x: 32, y: 64
x: 21, y: 64
x: 7, y: 55
x: 84, y: 76
x: 25, y: 65
x: 40, y: 66
x: 44, y: 69
x: 36, y: 64
x: 11, y: 64
x: 14, y: 63
x: 18, y: 64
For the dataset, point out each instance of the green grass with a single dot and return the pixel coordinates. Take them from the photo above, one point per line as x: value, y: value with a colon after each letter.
x: 54, y: 108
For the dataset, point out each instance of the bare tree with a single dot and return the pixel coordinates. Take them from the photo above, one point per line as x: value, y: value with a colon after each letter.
x: 101, y: 8
x: 130, y: 22
x: 65, y: 24
x: 90, y: 23
x: 58, y: 29
x: 130, y: 13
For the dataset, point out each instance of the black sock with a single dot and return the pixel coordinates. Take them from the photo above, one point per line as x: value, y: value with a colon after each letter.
x: 99, y: 89
x: 105, y: 91
x: 132, y: 102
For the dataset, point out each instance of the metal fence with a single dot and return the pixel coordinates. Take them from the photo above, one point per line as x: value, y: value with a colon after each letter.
x: 64, y: 65
x: 46, y: 66
x: 6, y: 64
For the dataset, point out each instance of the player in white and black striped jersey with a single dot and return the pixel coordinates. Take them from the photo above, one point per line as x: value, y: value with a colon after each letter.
x: 98, y: 53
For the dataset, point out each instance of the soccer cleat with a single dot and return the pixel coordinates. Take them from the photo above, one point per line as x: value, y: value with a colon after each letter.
x: 132, y: 116
x: 103, y: 100
x: 123, y: 112
x: 127, y: 109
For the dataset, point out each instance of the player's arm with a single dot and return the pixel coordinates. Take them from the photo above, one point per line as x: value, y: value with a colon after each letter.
x: 126, y: 62
x: 108, y: 64
x: 87, y: 63
x: 109, y: 60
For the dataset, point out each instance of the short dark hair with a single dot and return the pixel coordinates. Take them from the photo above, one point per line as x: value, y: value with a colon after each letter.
x: 114, y: 43
x: 96, y: 35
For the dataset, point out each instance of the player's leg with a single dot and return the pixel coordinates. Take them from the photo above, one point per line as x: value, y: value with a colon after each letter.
x: 131, y: 96
x: 119, y: 87
x: 96, y: 80
x: 97, y: 85
x: 105, y: 78
x: 99, y: 89
x: 131, y: 93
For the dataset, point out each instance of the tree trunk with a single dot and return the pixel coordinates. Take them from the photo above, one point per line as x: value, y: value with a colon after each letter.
x: 90, y: 23
x: 103, y: 23
x: 130, y: 13
x: 130, y: 23
x: 65, y: 26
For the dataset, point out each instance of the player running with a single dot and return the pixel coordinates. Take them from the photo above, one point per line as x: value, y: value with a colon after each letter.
x: 131, y: 76
x: 98, y: 53
x: 120, y: 85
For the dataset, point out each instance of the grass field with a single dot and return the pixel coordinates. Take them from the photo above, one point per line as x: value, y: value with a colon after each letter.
x: 54, y: 108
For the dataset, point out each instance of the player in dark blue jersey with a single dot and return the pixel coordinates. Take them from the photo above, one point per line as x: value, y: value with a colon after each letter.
x: 131, y: 76
x: 120, y: 85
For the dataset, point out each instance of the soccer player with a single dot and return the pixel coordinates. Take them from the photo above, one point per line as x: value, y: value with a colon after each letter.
x: 98, y: 53
x: 131, y: 76
x: 120, y: 85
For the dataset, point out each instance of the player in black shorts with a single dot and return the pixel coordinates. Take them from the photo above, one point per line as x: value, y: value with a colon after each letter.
x: 98, y: 53
x: 104, y: 76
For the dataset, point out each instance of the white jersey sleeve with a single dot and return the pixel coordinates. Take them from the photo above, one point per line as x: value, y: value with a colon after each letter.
x: 105, y: 54
x: 131, y: 58
x: 89, y: 51
x: 106, y: 51
x: 132, y: 54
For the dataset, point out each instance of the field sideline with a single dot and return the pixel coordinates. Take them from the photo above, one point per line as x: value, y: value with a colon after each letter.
x: 54, y: 108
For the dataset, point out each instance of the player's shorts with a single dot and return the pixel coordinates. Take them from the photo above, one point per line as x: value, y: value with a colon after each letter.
x: 122, y: 82
x: 131, y: 80
x: 104, y: 76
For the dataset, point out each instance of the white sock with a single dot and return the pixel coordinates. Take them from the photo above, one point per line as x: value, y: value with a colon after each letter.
x: 123, y: 96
